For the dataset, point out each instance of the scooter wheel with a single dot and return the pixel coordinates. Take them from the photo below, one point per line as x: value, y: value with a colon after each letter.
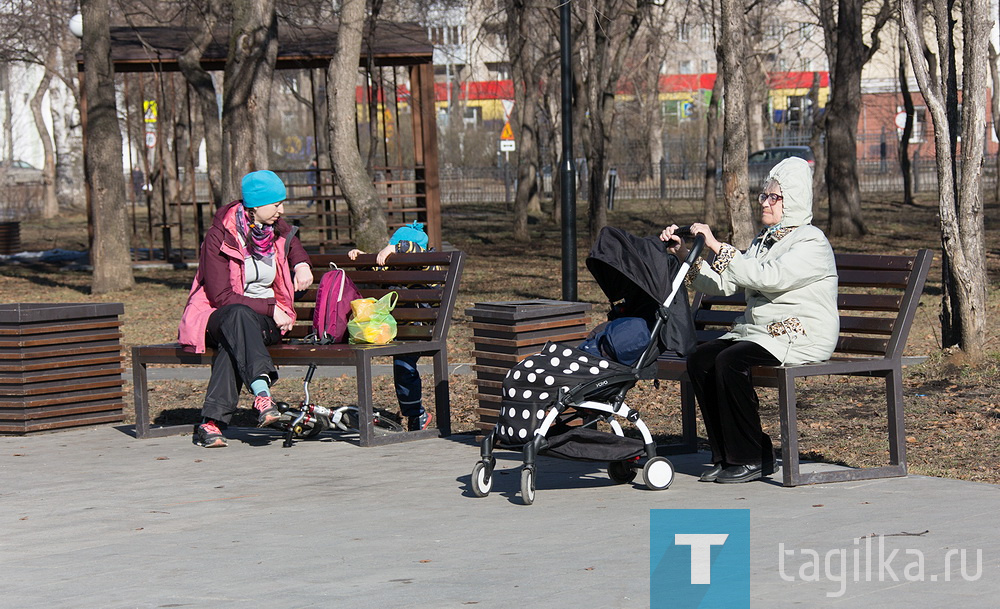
x: 482, y: 479
x: 658, y: 473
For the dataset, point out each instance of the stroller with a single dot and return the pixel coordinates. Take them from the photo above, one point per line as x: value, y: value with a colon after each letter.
x: 553, y: 401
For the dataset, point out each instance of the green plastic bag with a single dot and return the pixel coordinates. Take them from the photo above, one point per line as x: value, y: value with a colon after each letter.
x: 376, y: 325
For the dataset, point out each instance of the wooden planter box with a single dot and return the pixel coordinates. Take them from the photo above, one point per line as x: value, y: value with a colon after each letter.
x: 60, y: 366
x: 504, y: 333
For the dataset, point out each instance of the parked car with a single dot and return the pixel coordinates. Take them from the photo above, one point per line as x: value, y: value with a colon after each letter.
x: 761, y: 162
x: 19, y: 172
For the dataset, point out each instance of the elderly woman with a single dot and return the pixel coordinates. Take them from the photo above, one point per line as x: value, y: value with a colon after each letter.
x: 789, y: 277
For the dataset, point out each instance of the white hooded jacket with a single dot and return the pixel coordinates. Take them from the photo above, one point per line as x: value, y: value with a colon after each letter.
x: 789, y: 278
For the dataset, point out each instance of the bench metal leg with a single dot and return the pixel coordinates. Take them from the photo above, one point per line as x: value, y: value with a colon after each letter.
x: 140, y: 396
x: 894, y: 416
x: 789, y: 430
x: 366, y: 430
x: 442, y: 398
x: 790, y: 437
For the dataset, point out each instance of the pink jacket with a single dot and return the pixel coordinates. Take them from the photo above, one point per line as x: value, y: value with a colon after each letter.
x: 219, y: 280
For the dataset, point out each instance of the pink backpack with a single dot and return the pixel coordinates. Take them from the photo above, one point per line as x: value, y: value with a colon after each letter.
x: 333, y: 306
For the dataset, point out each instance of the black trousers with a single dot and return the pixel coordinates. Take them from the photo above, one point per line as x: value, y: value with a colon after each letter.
x: 720, y: 373
x: 240, y: 336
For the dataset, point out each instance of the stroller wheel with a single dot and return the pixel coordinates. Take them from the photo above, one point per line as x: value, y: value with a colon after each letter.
x: 482, y: 479
x: 621, y: 472
x: 528, y: 485
x: 658, y: 473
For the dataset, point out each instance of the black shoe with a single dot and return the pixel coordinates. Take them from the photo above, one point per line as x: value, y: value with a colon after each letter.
x: 739, y: 473
x: 768, y: 467
x: 709, y: 475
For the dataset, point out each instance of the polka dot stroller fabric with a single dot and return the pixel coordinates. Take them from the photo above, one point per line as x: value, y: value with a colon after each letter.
x: 533, y: 385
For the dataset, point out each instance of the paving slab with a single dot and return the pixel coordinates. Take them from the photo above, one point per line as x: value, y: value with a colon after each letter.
x: 95, y: 518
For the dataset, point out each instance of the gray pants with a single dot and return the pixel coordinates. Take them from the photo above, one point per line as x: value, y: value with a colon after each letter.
x: 240, y: 336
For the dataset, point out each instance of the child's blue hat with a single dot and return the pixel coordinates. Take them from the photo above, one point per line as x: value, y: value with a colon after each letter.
x: 411, y: 232
x: 262, y: 188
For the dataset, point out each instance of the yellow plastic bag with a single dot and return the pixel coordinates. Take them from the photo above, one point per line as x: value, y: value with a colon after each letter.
x: 363, y: 308
x: 372, y: 322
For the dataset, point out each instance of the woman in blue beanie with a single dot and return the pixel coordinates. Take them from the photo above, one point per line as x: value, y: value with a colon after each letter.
x: 409, y: 391
x: 242, y: 300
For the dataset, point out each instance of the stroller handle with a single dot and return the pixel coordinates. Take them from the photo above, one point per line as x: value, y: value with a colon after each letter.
x: 696, y: 247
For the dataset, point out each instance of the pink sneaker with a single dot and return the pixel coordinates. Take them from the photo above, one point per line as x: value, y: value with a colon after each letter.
x: 208, y: 435
x: 267, y: 413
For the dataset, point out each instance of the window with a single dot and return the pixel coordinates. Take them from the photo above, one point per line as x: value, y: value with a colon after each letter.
x: 706, y: 32
x: 919, y: 123
x: 683, y: 32
x: 807, y: 64
x: 706, y: 66
x: 685, y: 67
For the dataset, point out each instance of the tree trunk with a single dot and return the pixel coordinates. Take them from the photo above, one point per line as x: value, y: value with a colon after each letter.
x: 610, y: 32
x: 50, y: 203
x: 842, y: 112
x: 203, y: 86
x: 710, y: 215
x: 963, y: 302
x: 8, y: 113
x: 816, y: 128
x: 253, y: 48
x: 904, y: 140
x: 367, y: 212
x: 522, y: 21
x: 734, y: 151
x: 995, y: 107
x: 110, y: 254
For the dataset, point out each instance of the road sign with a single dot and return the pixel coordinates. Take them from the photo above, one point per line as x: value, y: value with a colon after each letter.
x: 150, y: 139
x: 507, y: 133
x: 901, y: 120
x: 508, y: 105
x: 508, y: 146
x: 149, y: 110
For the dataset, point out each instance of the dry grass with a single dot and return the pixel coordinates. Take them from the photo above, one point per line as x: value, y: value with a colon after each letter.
x: 952, y: 419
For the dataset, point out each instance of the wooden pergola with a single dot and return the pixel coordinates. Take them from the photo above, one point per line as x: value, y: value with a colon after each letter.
x: 169, y: 223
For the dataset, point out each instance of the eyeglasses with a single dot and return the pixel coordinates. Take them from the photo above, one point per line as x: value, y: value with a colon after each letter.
x: 769, y: 198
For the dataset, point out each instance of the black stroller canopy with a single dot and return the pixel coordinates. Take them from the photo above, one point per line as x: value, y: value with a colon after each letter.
x: 636, y: 272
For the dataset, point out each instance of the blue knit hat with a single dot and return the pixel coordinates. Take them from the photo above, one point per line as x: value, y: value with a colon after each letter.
x: 262, y: 188
x: 411, y: 232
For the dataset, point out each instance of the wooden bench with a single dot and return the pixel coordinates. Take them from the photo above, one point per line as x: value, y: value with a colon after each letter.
x: 437, y: 276
x: 878, y: 298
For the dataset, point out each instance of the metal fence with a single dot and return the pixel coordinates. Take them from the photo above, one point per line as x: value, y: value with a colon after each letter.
x: 674, y: 180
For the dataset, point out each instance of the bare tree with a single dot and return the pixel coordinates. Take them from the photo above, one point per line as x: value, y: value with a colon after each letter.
x: 710, y: 208
x: 609, y: 32
x: 36, y: 33
x: 850, y: 54
x: 995, y: 107
x: 734, y: 151
x: 253, y: 50
x: 204, y: 88
x: 367, y: 214
x: 531, y: 57
x: 963, y: 301
x: 103, y: 159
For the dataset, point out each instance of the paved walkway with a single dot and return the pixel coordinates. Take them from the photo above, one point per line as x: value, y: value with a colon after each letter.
x: 96, y: 518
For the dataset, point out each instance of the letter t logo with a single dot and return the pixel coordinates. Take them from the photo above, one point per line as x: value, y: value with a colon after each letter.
x: 701, y: 553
